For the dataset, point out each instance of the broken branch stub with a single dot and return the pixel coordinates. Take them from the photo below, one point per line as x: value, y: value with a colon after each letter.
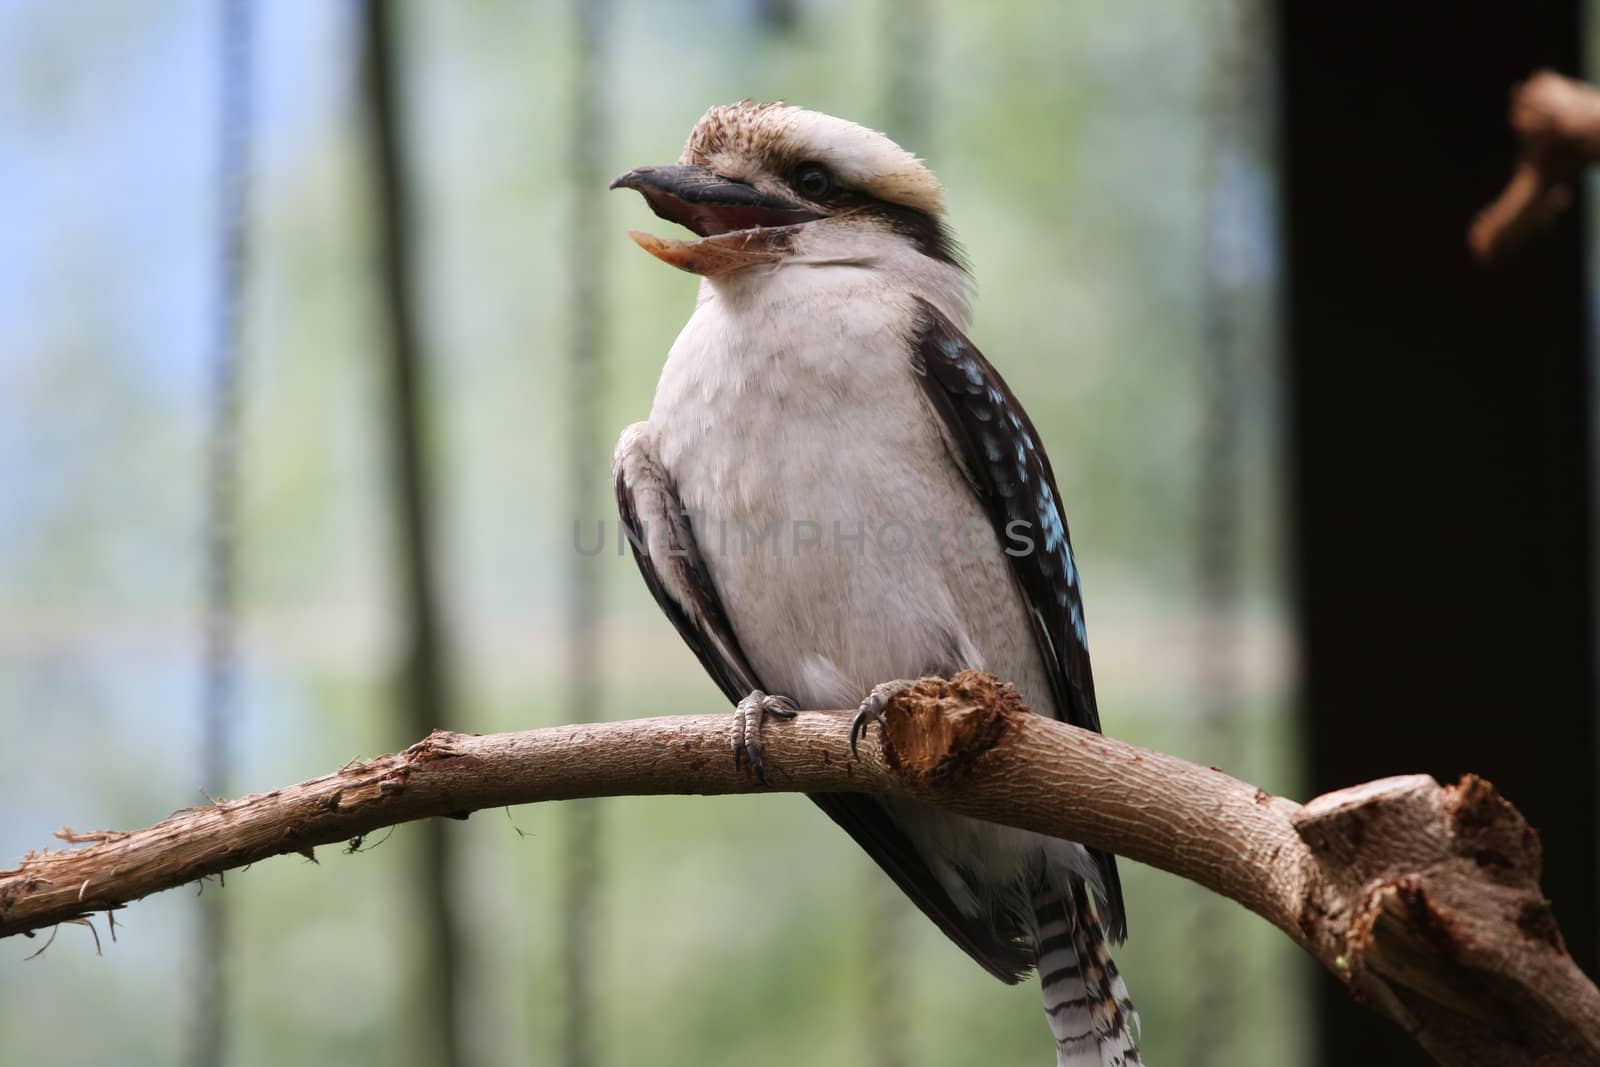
x: 1429, y: 899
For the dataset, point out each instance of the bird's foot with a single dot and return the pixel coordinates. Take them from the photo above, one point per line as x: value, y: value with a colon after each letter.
x: 871, y: 709
x: 747, y: 719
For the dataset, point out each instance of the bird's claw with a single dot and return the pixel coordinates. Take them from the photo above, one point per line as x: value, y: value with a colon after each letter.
x: 747, y: 719
x: 871, y: 710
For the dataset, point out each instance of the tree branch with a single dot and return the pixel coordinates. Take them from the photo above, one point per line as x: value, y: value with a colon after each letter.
x: 1557, y: 120
x: 1423, y: 899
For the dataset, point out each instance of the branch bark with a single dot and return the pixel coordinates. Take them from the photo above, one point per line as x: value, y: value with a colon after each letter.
x: 1557, y: 121
x: 1424, y: 899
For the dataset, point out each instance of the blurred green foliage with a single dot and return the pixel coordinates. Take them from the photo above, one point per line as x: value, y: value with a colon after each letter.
x: 1071, y: 138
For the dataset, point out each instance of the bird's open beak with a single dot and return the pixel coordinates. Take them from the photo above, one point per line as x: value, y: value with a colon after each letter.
x: 739, y: 225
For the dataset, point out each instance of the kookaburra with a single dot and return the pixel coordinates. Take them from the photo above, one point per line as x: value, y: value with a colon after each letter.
x: 836, y: 491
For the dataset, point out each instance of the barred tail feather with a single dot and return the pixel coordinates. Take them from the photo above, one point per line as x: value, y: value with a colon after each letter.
x: 1085, y: 998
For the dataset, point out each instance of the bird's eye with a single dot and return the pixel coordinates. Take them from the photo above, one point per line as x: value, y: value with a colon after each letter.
x: 813, y: 181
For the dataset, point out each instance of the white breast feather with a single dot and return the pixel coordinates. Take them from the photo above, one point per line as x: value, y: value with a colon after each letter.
x: 790, y: 398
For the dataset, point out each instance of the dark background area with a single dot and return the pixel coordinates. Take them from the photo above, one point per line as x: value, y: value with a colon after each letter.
x: 1440, y: 421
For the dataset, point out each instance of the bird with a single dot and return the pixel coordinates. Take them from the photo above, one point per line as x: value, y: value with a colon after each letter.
x: 836, y: 493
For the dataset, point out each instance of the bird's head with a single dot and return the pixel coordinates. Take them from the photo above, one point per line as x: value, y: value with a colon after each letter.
x: 765, y: 184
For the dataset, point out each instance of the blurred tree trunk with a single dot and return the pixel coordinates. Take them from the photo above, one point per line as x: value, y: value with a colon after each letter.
x: 1233, y: 130
x: 423, y: 679
x: 235, y: 76
x: 588, y: 471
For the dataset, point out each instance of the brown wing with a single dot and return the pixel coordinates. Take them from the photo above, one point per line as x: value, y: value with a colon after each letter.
x: 996, y: 446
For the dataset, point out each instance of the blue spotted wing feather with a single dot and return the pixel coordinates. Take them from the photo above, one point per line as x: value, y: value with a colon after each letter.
x: 996, y: 446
